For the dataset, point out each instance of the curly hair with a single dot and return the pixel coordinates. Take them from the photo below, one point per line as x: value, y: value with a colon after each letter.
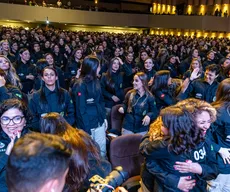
x: 184, y: 136
x: 196, y: 107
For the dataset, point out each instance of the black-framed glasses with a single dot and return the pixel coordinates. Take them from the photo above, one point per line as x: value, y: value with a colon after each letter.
x: 16, y: 120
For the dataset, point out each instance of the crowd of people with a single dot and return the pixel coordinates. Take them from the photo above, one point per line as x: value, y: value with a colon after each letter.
x: 173, y: 90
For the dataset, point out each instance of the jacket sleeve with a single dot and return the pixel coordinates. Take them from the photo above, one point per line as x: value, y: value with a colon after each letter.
x: 69, y: 113
x: 33, y: 103
x: 210, y: 166
x: 3, y: 161
x: 102, y: 104
x: 79, y: 98
x: 128, y: 71
x: 152, y: 108
x: 165, y: 98
x: 188, y: 91
x: 146, y: 149
x: 105, y: 93
x: 167, y: 179
x: 152, y: 149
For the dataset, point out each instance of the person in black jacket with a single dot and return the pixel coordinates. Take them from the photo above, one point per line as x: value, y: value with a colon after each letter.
x: 195, y: 67
x: 37, y: 53
x: 204, y: 89
x: 14, y: 116
x: 175, y: 166
x: 221, y: 135
x: 172, y: 66
x: 92, y: 163
x: 128, y: 78
x: 89, y: 102
x: 149, y: 70
x: 25, y: 70
x: 5, y: 50
x: 161, y: 89
x: 51, y: 98
x: 210, y: 59
x: 74, y: 64
x: 7, y: 90
x: 61, y: 77
x: 139, y: 107
x: 184, y: 65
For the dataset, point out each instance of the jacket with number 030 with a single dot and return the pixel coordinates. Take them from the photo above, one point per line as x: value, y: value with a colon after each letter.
x: 140, y: 107
x: 89, y: 104
x: 159, y: 165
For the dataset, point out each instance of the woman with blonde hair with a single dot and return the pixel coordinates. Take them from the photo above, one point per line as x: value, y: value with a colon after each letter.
x: 195, y: 70
x: 11, y: 75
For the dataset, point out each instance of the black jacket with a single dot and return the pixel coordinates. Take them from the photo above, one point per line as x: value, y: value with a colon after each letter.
x: 23, y: 70
x: 118, y: 90
x: 4, y: 141
x: 163, y: 98
x: 159, y: 162
x: 220, y: 131
x: 37, y: 110
x: 89, y: 104
x: 141, y: 106
x: 200, y: 89
x: 9, y: 92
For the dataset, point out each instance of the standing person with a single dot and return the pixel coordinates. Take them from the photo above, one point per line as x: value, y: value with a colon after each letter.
x: 51, y: 98
x: 221, y: 135
x: 14, y: 117
x: 112, y: 85
x: 25, y: 70
x: 89, y: 103
x: 139, y: 107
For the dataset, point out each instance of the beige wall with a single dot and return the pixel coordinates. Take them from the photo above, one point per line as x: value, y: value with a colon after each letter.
x: 39, y: 14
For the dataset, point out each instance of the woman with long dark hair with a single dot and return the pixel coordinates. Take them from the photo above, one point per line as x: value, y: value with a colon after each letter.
x: 161, y: 89
x: 51, y: 98
x: 90, y: 162
x: 139, y: 107
x: 89, y: 102
x: 112, y: 84
x: 25, y: 70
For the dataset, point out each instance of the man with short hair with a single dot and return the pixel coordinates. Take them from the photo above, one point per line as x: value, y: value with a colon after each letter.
x: 38, y: 163
x: 204, y: 89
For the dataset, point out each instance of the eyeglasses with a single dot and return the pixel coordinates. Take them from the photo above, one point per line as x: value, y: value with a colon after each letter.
x: 16, y: 120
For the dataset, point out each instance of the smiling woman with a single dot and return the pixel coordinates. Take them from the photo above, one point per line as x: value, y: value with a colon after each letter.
x: 13, y: 117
